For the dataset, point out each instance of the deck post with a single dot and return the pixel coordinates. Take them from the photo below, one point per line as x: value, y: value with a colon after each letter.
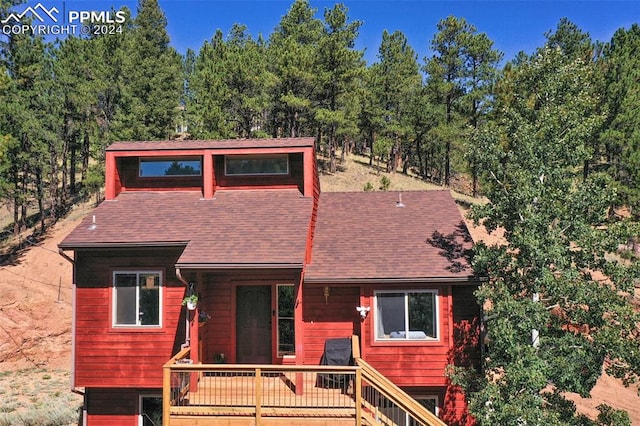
x: 358, y: 396
x: 166, y: 395
x: 258, y: 396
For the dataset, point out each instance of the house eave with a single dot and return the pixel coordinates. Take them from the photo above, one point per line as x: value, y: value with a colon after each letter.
x: 396, y: 280
x: 239, y: 265
x: 149, y: 244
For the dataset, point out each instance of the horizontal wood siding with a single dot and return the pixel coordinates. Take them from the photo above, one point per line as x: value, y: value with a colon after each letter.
x: 409, y: 363
x: 216, y: 297
x: 337, y: 317
x: 108, y: 407
x: 107, y: 356
x: 216, y: 336
x: 464, y: 353
x: 295, y: 177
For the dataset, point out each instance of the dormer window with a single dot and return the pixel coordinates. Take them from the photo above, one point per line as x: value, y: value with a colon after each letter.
x: 163, y: 167
x: 256, y: 165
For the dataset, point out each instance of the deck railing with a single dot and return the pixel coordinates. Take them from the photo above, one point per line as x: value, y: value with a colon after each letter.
x: 353, y: 394
x: 384, y: 403
x: 259, y: 391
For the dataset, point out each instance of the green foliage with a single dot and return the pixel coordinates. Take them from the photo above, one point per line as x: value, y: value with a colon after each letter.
x: 368, y: 187
x: 559, y: 236
x: 611, y: 417
x: 385, y: 183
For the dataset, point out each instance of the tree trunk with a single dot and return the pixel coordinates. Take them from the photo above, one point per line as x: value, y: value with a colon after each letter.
x: 72, y: 165
x: 85, y: 156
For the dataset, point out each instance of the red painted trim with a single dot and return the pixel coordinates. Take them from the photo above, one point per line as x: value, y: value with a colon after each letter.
x: 233, y: 320
x: 449, y: 298
x: 298, y: 320
x: 217, y: 151
x: 111, y: 174
x: 254, y: 187
x: 309, y: 172
x: 159, y: 153
x: 208, y: 176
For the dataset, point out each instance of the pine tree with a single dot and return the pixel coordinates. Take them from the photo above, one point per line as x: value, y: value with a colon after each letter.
x: 338, y: 67
x: 397, y: 81
x: 621, y: 134
x: 292, y: 51
x: 152, y: 79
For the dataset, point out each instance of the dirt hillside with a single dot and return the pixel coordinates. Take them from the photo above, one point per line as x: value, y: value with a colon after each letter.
x: 35, y: 296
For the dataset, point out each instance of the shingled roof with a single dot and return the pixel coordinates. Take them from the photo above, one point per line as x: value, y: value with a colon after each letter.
x: 186, y: 145
x: 235, y: 228
x: 368, y: 236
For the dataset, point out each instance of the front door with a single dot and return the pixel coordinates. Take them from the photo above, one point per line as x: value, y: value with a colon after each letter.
x: 253, y: 324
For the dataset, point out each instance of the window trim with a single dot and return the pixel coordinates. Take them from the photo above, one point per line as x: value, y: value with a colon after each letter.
x: 425, y: 397
x: 257, y: 156
x: 400, y: 340
x: 279, y: 353
x: 114, y: 301
x: 168, y: 159
x: 140, y: 398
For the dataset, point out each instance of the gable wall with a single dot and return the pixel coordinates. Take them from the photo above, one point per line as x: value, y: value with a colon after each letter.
x: 129, y: 357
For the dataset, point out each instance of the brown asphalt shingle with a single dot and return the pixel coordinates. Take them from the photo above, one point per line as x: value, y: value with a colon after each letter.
x: 235, y: 227
x: 363, y: 235
x: 211, y: 144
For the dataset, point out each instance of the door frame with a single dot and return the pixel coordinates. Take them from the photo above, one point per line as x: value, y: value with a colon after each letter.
x: 234, y: 316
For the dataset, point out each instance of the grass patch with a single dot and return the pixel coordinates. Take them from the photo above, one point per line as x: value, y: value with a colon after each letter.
x: 38, y: 397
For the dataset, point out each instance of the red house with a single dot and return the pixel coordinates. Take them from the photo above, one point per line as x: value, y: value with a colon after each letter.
x: 278, y: 268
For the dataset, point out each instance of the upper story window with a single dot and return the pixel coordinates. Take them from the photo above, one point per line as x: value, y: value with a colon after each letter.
x: 137, y: 298
x: 162, y: 167
x: 252, y: 165
x: 406, y: 315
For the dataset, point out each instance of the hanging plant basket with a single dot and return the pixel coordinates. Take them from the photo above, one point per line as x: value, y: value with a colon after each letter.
x: 190, y: 302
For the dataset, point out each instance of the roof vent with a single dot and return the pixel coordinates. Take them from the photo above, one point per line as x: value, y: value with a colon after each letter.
x: 93, y: 223
x: 399, y: 203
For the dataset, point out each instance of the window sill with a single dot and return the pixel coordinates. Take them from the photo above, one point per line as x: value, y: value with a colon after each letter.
x: 407, y: 342
x: 155, y: 329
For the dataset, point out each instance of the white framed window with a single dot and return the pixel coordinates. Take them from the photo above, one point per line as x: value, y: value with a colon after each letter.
x: 164, y: 167
x: 397, y: 416
x: 150, y: 410
x: 137, y: 298
x: 256, y: 165
x: 430, y: 402
x: 406, y: 315
x: 286, y: 323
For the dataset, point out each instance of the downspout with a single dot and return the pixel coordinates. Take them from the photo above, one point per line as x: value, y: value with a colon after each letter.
x: 187, y: 335
x: 73, y: 336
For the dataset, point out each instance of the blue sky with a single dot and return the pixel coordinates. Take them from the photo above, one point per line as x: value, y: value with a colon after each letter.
x: 513, y: 25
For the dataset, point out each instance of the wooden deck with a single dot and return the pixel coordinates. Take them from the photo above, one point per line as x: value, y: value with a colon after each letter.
x: 276, y: 398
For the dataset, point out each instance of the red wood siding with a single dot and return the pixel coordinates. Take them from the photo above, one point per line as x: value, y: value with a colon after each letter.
x: 216, y: 292
x: 337, y: 317
x: 216, y: 336
x: 409, y: 363
x: 465, y: 351
x: 123, y: 357
x: 294, y: 179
